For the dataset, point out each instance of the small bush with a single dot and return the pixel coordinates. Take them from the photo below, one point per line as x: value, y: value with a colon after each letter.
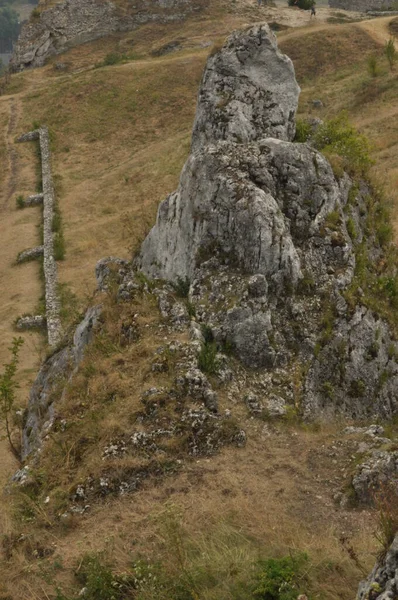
x: 357, y: 388
x: 373, y: 67
x: 338, y: 136
x: 332, y: 220
x: 20, y: 202
x: 281, y: 578
x: 304, y: 4
x: 328, y: 390
x: 59, y: 246
x: 384, y: 233
x: 303, y: 131
x: 207, y: 359
x: 181, y: 287
x: 386, y: 502
x: 99, y: 581
x: 391, y: 53
x: 112, y: 58
x: 351, y: 229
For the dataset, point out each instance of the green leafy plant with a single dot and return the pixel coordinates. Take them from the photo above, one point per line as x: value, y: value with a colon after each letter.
x: 181, y: 287
x: 351, y: 229
x: 304, y: 4
x: 385, y: 500
x: 373, y: 67
x: 20, y: 202
x: 338, y: 137
x: 8, y: 388
x: 281, y: 578
x: 207, y: 359
x: 303, y: 131
x: 391, y: 53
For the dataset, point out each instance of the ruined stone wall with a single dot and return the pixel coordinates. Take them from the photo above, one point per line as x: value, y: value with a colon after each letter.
x: 74, y: 22
x: 362, y: 5
x: 54, y: 328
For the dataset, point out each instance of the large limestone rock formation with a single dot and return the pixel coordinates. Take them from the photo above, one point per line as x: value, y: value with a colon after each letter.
x: 73, y: 22
x: 382, y: 583
x: 248, y: 92
x: 250, y: 227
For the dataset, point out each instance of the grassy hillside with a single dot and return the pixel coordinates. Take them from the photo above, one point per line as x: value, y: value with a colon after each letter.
x: 120, y: 135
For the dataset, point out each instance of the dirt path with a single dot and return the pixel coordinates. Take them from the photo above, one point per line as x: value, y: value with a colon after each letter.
x: 378, y: 28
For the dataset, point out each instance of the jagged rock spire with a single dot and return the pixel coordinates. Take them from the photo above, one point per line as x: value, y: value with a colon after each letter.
x: 248, y: 91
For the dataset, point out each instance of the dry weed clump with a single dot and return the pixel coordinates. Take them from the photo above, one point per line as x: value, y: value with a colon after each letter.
x: 386, y: 502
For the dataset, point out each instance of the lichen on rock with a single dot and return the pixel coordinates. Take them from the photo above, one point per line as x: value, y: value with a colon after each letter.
x: 259, y: 225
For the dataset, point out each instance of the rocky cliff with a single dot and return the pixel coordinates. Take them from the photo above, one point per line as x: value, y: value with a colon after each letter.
x: 72, y: 22
x: 267, y: 235
x: 266, y: 242
x: 382, y: 583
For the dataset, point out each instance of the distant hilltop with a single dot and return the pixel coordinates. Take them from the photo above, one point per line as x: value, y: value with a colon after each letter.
x: 69, y: 23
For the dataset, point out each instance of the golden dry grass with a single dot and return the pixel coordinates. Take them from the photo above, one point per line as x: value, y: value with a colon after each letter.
x: 120, y: 137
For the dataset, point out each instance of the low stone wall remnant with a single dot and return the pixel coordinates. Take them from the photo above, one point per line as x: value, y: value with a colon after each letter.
x: 30, y: 254
x: 31, y: 322
x: 54, y: 328
x: 33, y: 200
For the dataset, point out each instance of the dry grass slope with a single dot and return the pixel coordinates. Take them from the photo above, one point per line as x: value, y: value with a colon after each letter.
x: 120, y: 137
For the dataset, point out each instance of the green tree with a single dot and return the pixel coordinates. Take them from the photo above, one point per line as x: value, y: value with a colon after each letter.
x: 305, y: 4
x: 8, y: 388
x: 9, y: 23
x: 391, y: 53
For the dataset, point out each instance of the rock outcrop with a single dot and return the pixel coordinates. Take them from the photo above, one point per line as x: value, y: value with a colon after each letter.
x: 382, y: 583
x: 50, y: 382
x: 73, y: 22
x: 259, y: 228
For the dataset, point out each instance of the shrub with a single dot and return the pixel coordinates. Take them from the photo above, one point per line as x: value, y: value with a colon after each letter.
x: 384, y: 233
x: 303, y: 131
x: 338, y: 136
x: 385, y: 500
x: 391, y: 52
x: 99, y: 581
x: 332, y: 220
x: 20, y: 202
x: 112, y: 58
x: 207, y: 359
x: 373, y: 68
x: 181, y: 287
x: 8, y: 388
x: 351, y: 229
x: 304, y: 4
x: 281, y: 578
x: 357, y: 388
x: 59, y: 246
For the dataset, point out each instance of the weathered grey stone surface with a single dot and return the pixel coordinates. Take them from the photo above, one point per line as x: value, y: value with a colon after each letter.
x: 54, y: 327
x: 382, y: 583
x: 30, y: 254
x: 248, y: 92
x: 31, y: 322
x: 249, y: 228
x: 50, y: 383
x: 29, y: 137
x: 74, y: 22
x: 34, y: 200
x: 377, y: 473
x: 358, y: 368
